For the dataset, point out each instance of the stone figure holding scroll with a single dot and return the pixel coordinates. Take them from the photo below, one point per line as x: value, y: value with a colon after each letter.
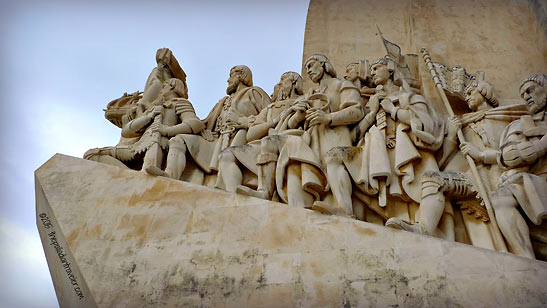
x: 523, y: 146
x: 226, y: 125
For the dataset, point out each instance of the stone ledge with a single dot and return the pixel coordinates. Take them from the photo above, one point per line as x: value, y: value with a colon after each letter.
x: 137, y: 240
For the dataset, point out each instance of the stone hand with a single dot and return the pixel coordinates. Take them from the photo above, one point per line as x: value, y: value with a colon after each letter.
x: 374, y: 104
x: 164, y: 130
x: 236, y: 121
x: 387, y: 105
x: 156, y: 111
x: 376, y: 98
x: 452, y: 126
x: 316, y: 116
x: 300, y: 106
x: 469, y: 149
x: 231, y: 116
x: 207, y: 135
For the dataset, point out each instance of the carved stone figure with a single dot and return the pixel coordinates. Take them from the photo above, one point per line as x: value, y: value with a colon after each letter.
x: 330, y: 107
x: 523, y: 145
x: 394, y: 153
x: 482, y: 129
x: 265, y: 135
x: 226, y: 125
x: 168, y: 67
x: 147, y: 127
x: 358, y: 73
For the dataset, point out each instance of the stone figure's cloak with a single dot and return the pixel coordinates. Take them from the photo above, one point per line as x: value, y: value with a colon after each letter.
x: 402, y: 166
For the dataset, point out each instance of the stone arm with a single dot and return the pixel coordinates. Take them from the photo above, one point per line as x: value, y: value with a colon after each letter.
x: 358, y: 132
x: 350, y: 108
x: 299, y: 115
x: 135, y: 127
x: 518, y: 151
x: 296, y: 119
x: 190, y: 124
x: 396, y: 113
x: 450, y: 142
x: 346, y: 116
x: 259, y: 126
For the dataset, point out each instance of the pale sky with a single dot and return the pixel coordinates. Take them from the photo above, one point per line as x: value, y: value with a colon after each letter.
x: 63, y: 61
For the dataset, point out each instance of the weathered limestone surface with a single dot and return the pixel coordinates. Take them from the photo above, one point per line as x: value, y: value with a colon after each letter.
x: 505, y: 39
x: 135, y: 240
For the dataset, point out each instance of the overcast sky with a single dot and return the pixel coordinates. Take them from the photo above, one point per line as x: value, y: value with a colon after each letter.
x: 63, y: 61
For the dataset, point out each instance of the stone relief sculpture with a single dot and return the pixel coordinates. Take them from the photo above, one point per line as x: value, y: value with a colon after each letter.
x: 482, y: 128
x: 147, y: 126
x: 330, y: 106
x: 160, y: 103
x: 368, y: 146
x: 267, y: 132
x: 168, y: 67
x: 523, y: 145
x: 225, y: 126
x: 396, y: 146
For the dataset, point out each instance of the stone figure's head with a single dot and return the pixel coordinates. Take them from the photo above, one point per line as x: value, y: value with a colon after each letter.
x: 174, y: 87
x: 239, y: 74
x: 382, y: 70
x: 163, y: 56
x: 289, y: 86
x: 166, y: 60
x: 480, y: 92
x: 356, y: 71
x: 534, y: 91
x: 317, y: 66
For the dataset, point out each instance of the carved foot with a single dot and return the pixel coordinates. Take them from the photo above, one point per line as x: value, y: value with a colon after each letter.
x: 153, y: 170
x: 244, y: 190
x: 397, y: 223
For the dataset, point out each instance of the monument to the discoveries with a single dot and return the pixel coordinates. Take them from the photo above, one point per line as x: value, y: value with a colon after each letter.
x: 405, y: 168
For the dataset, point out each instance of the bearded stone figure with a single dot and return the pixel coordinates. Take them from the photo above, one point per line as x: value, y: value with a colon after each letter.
x: 523, y: 145
x: 266, y: 132
x: 226, y: 125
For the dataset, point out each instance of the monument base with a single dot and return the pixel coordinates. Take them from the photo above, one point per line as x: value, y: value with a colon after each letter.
x: 121, y: 238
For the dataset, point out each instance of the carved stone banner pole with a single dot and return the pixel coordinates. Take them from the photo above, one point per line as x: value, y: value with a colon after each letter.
x: 498, y: 238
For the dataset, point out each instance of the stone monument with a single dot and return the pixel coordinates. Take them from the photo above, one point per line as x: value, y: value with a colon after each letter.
x: 417, y: 179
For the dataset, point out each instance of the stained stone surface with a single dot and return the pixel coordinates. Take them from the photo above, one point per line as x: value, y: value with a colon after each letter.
x: 505, y: 39
x: 135, y: 240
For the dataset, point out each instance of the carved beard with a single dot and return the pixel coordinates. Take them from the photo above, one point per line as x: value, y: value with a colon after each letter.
x: 232, y: 88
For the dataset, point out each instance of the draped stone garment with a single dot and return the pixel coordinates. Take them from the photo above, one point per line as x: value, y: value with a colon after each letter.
x: 401, y: 164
